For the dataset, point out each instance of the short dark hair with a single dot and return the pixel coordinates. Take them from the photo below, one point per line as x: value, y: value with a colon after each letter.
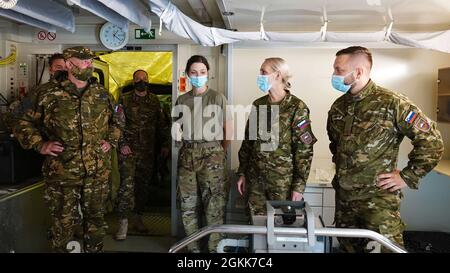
x: 134, y: 74
x: 55, y: 57
x: 196, y: 59
x: 356, y: 50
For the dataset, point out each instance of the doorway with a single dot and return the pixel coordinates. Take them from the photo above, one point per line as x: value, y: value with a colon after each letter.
x: 159, y: 62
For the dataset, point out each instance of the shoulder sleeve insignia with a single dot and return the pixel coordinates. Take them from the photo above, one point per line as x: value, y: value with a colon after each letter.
x: 306, y: 138
x: 118, y: 109
x: 422, y: 124
x: 104, y: 95
x: 303, y: 124
x: 411, y: 117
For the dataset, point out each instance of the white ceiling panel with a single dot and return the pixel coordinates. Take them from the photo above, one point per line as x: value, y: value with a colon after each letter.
x: 342, y: 15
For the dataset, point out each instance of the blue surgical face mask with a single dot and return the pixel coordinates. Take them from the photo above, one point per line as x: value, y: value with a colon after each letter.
x: 198, y: 82
x: 263, y: 83
x: 338, y: 82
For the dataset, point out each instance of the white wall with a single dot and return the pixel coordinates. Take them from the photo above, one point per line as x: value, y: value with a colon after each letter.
x: 412, y: 72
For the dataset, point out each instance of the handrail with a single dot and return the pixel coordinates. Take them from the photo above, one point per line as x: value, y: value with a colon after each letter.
x: 250, y: 229
x: 20, y: 191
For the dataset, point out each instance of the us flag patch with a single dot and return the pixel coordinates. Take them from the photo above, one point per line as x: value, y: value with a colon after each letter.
x: 411, y: 117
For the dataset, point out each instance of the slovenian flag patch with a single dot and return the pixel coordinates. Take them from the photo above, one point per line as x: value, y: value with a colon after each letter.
x: 303, y: 124
x: 411, y: 117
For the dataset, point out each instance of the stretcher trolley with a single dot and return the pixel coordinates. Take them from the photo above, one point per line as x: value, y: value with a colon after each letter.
x: 288, y: 227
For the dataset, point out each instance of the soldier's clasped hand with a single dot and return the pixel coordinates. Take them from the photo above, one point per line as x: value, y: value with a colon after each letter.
x: 52, y: 148
x: 105, y: 146
x: 125, y: 150
x: 296, y: 196
x: 241, y: 185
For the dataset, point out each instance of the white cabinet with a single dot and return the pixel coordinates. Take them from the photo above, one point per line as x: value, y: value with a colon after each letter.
x: 328, y: 197
x: 313, y: 199
x: 328, y: 216
x: 321, y: 200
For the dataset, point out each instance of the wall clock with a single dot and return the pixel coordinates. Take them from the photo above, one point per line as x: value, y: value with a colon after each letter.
x: 112, y: 36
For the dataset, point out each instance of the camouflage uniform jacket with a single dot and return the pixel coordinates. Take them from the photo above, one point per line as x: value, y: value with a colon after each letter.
x: 144, y: 122
x: 79, y: 119
x: 294, y: 153
x: 16, y: 108
x: 365, y: 133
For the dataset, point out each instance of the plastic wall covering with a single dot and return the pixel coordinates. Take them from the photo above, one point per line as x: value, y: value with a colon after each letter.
x: 123, y: 64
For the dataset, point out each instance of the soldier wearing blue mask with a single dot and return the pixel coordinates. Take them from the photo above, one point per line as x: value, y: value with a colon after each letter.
x: 366, y: 126
x: 202, y: 185
x: 279, y: 174
x: 338, y: 82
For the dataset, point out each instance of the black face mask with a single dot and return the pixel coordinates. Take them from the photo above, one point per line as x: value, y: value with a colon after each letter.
x: 140, y: 86
x: 60, y: 75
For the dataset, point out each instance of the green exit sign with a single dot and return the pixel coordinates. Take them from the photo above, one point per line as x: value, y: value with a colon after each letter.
x: 140, y: 33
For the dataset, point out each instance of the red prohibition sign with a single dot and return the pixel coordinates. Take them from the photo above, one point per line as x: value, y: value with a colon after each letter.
x: 51, y: 36
x: 42, y: 35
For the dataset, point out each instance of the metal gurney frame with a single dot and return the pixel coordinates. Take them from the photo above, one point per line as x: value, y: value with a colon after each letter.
x: 310, y: 232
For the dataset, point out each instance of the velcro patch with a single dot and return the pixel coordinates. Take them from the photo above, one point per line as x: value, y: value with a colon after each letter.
x: 411, y: 117
x: 104, y: 95
x: 306, y: 138
x: 303, y: 124
x: 118, y: 109
x: 422, y: 124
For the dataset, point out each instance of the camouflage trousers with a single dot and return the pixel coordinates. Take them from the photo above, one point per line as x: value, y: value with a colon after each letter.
x: 380, y: 213
x: 263, y: 187
x: 65, y: 200
x: 134, y: 190
x: 202, y: 191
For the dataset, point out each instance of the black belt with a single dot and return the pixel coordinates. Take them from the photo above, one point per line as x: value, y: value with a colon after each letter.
x: 210, y: 144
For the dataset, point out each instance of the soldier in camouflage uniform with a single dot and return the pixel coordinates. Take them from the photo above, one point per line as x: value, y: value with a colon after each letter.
x: 79, y: 126
x: 365, y: 128
x: 144, y: 126
x: 202, y: 187
x: 57, y: 71
x: 279, y: 173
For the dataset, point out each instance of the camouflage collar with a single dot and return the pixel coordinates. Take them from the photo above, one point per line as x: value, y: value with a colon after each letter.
x: 284, y: 101
x: 70, y: 87
x: 67, y: 85
x: 367, y: 90
x: 136, y: 97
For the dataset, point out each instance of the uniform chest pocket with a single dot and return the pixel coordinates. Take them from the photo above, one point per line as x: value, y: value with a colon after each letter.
x: 97, y: 110
x: 371, y: 129
x: 337, y: 123
x: 100, y: 104
x: 64, y: 111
